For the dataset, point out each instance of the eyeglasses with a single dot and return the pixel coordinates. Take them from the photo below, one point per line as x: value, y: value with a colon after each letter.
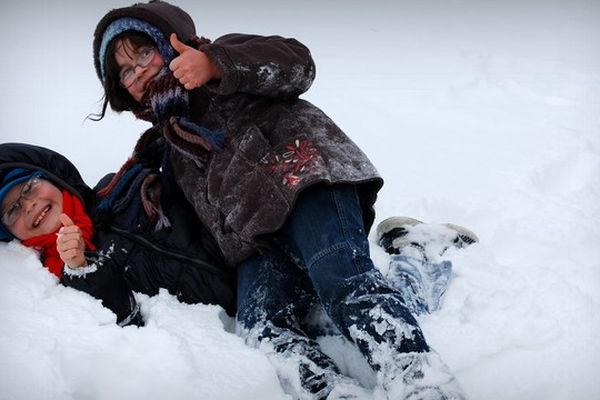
x: 15, y: 209
x: 144, y: 56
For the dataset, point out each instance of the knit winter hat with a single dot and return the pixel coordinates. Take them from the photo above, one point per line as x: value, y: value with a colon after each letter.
x: 126, y: 24
x: 162, y: 17
x: 9, y: 179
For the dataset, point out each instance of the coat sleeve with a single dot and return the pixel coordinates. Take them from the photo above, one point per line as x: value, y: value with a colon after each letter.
x: 102, y: 280
x: 270, y: 66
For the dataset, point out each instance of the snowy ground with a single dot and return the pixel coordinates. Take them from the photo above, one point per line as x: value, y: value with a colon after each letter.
x: 481, y: 113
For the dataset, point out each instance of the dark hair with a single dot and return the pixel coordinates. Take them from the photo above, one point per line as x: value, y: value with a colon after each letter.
x: 116, y: 95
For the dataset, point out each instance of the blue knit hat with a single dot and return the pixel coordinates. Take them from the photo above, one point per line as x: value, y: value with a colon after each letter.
x: 125, y: 24
x: 10, y: 179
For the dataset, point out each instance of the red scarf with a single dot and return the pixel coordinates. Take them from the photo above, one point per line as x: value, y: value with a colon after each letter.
x: 73, y: 207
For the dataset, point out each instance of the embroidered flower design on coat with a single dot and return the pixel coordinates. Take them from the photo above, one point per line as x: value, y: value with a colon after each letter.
x: 294, y: 163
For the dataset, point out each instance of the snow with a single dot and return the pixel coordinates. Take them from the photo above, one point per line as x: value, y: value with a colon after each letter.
x: 481, y: 113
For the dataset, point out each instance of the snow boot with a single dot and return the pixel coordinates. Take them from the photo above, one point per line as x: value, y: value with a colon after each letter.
x: 416, y: 268
x: 318, y: 377
x: 400, y: 234
x: 418, y: 376
x: 392, y: 234
x: 346, y: 391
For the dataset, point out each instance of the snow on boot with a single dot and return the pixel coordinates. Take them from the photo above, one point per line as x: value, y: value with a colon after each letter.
x: 464, y: 236
x: 349, y: 391
x: 419, y: 376
x: 415, y: 268
x: 304, y: 371
x: 398, y: 235
x: 392, y: 233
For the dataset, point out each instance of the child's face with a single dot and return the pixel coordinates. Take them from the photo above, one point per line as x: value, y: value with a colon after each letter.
x: 127, y: 57
x: 35, y: 207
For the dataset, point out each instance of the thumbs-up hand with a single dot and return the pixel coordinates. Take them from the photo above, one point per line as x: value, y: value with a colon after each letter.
x: 70, y: 243
x: 192, y: 68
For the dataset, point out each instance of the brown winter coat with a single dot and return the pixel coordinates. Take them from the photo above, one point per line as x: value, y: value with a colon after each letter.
x: 276, y: 144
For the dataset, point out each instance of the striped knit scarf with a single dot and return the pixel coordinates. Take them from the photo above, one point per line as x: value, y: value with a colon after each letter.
x: 166, y: 104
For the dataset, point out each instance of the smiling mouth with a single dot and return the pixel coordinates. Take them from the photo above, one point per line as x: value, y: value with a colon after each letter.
x: 42, y: 215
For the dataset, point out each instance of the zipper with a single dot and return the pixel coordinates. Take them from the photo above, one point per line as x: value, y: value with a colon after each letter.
x: 145, y: 242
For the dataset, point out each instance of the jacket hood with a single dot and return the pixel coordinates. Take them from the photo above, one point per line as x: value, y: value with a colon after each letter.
x: 166, y: 17
x: 57, y: 168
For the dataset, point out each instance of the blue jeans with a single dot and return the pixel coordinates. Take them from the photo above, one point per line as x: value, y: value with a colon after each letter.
x: 421, y: 282
x: 274, y: 299
x: 327, y: 243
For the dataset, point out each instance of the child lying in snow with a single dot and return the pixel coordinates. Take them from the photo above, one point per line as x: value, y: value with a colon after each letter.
x: 47, y: 205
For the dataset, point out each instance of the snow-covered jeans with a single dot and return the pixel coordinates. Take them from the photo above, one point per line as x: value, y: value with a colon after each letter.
x: 326, y: 239
x: 421, y: 282
x: 275, y: 299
